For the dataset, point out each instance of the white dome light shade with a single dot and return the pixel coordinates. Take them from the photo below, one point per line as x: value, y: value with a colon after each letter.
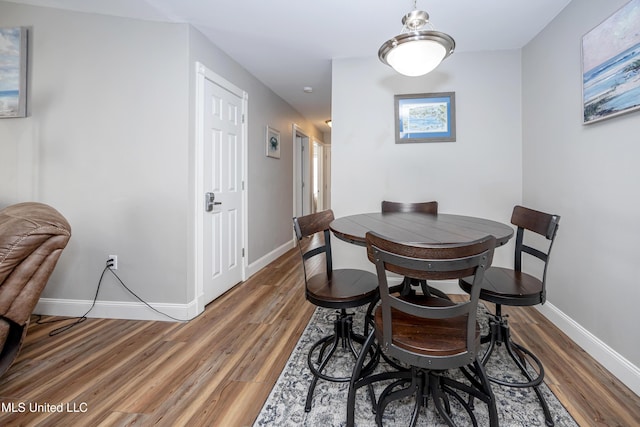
x: 416, y: 52
x: 416, y: 58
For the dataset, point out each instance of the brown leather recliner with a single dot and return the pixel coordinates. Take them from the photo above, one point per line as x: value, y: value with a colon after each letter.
x: 32, y: 237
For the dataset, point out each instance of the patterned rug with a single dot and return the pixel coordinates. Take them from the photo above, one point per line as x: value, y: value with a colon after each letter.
x: 285, y: 404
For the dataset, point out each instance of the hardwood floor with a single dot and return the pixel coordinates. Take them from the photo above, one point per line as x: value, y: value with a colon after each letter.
x: 590, y: 393
x: 219, y: 368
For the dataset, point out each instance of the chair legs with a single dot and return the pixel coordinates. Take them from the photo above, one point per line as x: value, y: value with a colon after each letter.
x: 425, y: 383
x: 361, y: 377
x: 499, y: 334
x: 343, y: 336
x: 422, y: 384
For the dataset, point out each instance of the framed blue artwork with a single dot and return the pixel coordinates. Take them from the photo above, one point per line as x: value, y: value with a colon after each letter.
x: 13, y: 72
x: 425, y: 117
x: 611, y: 65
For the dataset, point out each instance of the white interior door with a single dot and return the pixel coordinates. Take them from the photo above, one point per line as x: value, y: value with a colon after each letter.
x: 327, y: 176
x: 222, y: 185
x: 305, y: 177
x: 302, y: 174
x: 318, y: 177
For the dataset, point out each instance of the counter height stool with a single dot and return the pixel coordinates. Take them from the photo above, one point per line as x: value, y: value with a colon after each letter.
x: 339, y: 289
x: 513, y: 287
x: 424, y: 207
x: 430, y: 335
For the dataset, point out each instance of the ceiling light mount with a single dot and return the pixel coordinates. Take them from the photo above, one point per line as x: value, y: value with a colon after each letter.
x: 415, y: 19
x: 419, y: 48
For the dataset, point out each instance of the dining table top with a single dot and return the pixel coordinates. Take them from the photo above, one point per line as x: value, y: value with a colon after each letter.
x: 415, y: 227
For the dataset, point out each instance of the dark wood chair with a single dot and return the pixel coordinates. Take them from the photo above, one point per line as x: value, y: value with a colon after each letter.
x: 513, y: 287
x: 423, y: 207
x: 430, y: 208
x: 339, y: 289
x: 429, y: 335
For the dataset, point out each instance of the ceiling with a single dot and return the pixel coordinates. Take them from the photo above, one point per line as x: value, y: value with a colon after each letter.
x: 289, y: 44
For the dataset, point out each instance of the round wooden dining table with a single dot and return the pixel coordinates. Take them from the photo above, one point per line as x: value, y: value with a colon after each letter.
x: 414, y: 227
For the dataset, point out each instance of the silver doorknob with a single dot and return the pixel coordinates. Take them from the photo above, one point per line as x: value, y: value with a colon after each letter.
x: 209, y: 201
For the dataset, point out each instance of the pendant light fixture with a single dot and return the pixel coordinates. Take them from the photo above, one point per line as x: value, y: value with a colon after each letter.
x: 418, y: 49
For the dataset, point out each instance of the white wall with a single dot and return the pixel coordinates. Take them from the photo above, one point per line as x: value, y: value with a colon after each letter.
x: 589, y: 175
x: 109, y: 143
x: 480, y: 174
x: 105, y: 144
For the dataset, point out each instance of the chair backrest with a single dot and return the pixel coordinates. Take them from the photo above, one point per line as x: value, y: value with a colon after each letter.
x: 424, y: 207
x: 430, y: 262
x: 540, y: 223
x: 309, y: 225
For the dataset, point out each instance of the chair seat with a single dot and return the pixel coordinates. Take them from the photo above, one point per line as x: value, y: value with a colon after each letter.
x: 347, y: 288
x: 430, y: 337
x: 507, y: 287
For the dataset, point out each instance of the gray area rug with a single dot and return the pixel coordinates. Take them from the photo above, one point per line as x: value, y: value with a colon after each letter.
x: 285, y: 404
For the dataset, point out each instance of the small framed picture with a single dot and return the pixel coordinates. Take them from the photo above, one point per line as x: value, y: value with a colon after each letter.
x: 425, y: 117
x: 273, y: 143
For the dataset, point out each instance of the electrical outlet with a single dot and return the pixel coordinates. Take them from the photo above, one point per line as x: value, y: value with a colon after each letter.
x: 112, y: 262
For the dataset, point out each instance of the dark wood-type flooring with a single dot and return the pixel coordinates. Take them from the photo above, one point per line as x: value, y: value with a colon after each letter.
x: 218, y: 369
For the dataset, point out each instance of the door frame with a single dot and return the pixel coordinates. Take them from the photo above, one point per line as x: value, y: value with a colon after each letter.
x: 203, y: 73
x: 299, y: 195
x: 317, y: 174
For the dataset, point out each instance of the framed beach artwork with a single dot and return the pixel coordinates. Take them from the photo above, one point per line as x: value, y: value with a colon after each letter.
x: 425, y: 117
x: 273, y: 143
x: 13, y: 72
x: 611, y: 65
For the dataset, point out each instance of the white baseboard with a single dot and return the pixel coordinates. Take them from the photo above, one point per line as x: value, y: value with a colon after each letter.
x: 259, y: 264
x: 621, y: 368
x: 137, y: 310
x: 116, y: 310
